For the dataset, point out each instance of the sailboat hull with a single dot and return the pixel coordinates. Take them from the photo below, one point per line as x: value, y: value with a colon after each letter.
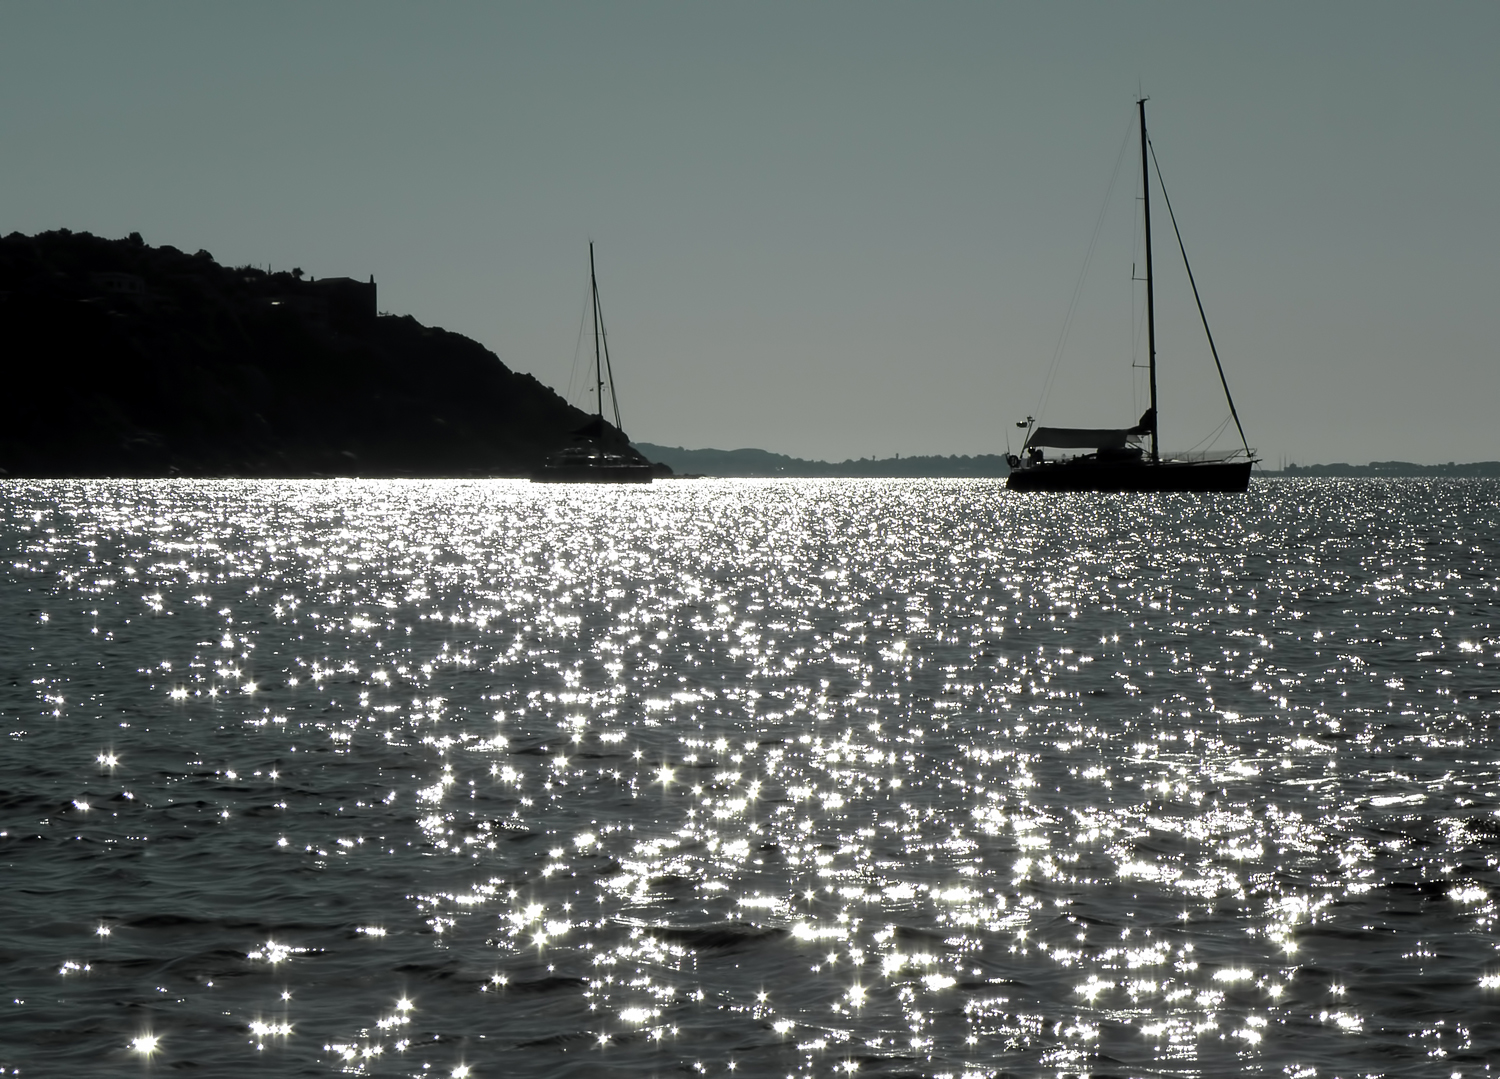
x: 576, y: 472
x: 1116, y: 464
x: 600, y: 453
x: 1085, y: 474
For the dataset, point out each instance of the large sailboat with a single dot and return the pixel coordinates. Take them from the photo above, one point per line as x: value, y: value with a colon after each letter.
x: 1129, y: 458
x: 601, y: 452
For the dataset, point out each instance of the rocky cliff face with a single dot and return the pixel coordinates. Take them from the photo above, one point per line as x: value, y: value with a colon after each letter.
x: 121, y: 359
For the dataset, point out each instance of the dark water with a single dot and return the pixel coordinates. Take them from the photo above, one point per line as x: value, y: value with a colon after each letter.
x: 773, y: 778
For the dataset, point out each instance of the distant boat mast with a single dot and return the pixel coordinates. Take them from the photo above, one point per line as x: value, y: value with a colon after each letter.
x: 1150, y: 286
x: 601, y: 352
x: 598, y: 370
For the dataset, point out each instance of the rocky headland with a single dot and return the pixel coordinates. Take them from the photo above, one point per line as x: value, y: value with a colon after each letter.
x: 123, y: 359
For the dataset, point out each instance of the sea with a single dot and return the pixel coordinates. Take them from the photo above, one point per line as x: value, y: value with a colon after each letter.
x: 748, y: 778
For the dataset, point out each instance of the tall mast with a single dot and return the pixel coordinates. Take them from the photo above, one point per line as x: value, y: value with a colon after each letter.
x: 599, y: 370
x: 1150, y: 286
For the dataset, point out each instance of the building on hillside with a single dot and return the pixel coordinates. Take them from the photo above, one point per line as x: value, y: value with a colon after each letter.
x: 112, y: 283
x: 350, y: 304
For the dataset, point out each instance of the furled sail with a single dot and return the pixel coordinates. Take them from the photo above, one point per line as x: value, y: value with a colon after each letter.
x: 1089, y: 438
x: 1079, y: 438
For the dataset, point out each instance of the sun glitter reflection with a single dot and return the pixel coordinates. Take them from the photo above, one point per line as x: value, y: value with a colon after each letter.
x: 955, y: 770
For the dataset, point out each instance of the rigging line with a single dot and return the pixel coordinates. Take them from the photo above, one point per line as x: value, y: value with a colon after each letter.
x: 583, y: 317
x: 614, y: 398
x: 1199, y: 300
x: 1135, y: 327
x: 598, y: 337
x: 1062, y: 342
x: 1139, y: 325
x: 1211, y: 437
x: 1137, y: 305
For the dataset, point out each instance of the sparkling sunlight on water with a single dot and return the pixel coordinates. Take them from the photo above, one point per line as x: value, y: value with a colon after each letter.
x: 769, y: 778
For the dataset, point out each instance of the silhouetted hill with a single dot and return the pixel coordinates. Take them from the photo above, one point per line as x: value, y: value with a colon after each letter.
x: 121, y: 359
x: 762, y: 463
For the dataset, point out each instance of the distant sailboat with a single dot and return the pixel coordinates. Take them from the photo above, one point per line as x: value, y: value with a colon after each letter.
x: 1118, y: 461
x: 601, y: 453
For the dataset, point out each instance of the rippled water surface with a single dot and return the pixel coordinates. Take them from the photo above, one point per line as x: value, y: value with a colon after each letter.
x: 773, y: 778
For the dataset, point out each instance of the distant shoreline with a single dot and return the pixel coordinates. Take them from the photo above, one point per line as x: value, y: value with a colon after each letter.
x: 124, y: 360
x: 752, y: 463
x: 756, y: 463
x: 1390, y: 469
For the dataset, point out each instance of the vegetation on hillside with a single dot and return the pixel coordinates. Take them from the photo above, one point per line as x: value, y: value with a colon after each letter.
x: 122, y: 359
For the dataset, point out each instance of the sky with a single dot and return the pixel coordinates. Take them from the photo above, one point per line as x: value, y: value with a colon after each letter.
x: 832, y: 230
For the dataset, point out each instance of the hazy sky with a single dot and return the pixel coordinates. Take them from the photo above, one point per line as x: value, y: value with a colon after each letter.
x: 830, y: 229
